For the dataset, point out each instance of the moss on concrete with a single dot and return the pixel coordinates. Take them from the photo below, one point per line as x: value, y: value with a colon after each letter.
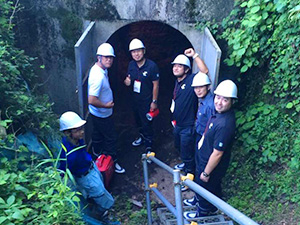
x: 102, y: 10
x: 71, y: 28
x: 191, y: 9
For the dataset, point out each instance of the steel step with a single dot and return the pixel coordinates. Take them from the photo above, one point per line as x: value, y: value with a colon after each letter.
x: 167, y: 218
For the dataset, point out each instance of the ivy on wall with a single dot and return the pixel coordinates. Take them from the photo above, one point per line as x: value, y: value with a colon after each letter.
x: 266, y: 34
x: 263, y: 42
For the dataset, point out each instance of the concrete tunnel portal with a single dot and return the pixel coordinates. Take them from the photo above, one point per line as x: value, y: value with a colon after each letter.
x: 163, y: 43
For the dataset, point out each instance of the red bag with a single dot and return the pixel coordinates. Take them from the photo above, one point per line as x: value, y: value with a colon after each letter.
x: 105, y: 164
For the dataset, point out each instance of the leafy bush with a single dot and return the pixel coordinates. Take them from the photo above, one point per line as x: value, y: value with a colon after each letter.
x: 263, y: 42
x: 28, y: 194
x: 19, y: 101
x: 35, y: 195
x: 266, y: 34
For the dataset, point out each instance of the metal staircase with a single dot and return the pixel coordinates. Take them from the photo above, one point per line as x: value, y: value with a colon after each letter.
x: 173, y: 215
x: 167, y: 218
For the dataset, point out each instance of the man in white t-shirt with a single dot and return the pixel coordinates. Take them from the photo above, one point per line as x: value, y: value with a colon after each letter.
x: 100, y: 99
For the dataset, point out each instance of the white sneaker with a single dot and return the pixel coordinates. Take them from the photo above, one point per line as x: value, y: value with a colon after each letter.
x: 190, y: 215
x: 190, y: 202
x: 137, y: 142
x: 119, y: 169
x: 184, y: 188
x: 179, y: 166
x: 196, y: 214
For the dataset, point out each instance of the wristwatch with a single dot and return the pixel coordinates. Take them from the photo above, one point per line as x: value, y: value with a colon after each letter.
x: 154, y: 101
x: 205, y: 174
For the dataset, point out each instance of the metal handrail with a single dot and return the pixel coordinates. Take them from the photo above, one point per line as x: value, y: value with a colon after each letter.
x: 219, y: 203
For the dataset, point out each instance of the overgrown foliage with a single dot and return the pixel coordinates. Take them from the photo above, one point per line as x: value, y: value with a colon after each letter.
x: 29, y: 194
x: 19, y: 101
x: 35, y: 195
x: 131, y: 214
x: 263, y: 41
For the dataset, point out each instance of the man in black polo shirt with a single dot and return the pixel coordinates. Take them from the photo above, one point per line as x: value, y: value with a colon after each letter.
x: 214, y: 148
x: 143, y: 76
x: 184, y: 108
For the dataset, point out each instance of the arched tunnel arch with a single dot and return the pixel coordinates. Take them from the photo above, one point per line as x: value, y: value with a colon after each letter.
x: 163, y: 43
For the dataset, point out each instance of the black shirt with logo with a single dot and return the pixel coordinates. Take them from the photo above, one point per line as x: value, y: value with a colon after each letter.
x: 219, y: 134
x: 146, y: 74
x: 186, y: 102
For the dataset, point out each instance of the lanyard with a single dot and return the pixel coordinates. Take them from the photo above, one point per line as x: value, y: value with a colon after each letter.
x: 207, y: 125
x: 176, y: 89
x: 138, y: 73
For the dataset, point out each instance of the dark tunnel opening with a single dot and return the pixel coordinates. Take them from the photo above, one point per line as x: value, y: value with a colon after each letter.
x: 163, y: 43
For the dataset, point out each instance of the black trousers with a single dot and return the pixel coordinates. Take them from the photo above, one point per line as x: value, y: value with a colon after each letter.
x: 104, y: 136
x: 146, y: 129
x: 184, y: 140
x: 213, y: 185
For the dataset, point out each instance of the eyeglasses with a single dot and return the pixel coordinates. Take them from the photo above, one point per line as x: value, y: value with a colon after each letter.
x: 77, y: 129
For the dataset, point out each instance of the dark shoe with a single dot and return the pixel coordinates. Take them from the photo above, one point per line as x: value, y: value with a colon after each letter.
x: 137, y: 142
x: 197, y: 214
x: 119, y: 169
x: 179, y: 166
x: 184, y: 188
x: 190, y: 202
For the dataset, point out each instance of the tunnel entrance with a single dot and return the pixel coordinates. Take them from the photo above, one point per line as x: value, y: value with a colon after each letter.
x: 163, y: 43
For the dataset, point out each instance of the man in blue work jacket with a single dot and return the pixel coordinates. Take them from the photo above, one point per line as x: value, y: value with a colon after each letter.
x: 213, y: 156
x: 201, y: 84
x: 74, y: 157
x: 184, y: 108
x: 143, y: 77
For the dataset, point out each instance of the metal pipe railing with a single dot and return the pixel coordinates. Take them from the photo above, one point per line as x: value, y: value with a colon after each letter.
x: 219, y: 203
x: 147, y: 189
x: 178, y: 196
x: 170, y: 207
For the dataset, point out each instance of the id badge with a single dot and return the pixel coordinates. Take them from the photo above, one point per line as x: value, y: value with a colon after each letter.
x: 200, y: 143
x: 172, y: 106
x: 137, y: 86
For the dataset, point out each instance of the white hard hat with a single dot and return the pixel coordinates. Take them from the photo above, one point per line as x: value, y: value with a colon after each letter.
x: 227, y: 88
x: 183, y: 60
x: 70, y: 120
x: 106, y: 49
x: 136, y: 44
x: 200, y: 79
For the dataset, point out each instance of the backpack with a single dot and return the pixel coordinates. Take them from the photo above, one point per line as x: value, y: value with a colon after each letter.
x: 105, y: 165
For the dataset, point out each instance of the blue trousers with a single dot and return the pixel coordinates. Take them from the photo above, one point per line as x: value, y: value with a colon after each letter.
x: 184, y: 143
x: 91, y: 186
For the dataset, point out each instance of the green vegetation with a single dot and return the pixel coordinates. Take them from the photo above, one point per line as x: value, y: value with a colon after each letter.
x: 263, y: 180
x: 71, y: 28
x: 29, y: 194
x: 128, y: 213
x: 19, y: 102
x: 28, y: 198
x: 263, y: 41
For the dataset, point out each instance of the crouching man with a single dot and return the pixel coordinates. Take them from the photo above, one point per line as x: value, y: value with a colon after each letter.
x: 213, y: 154
x: 87, y: 176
